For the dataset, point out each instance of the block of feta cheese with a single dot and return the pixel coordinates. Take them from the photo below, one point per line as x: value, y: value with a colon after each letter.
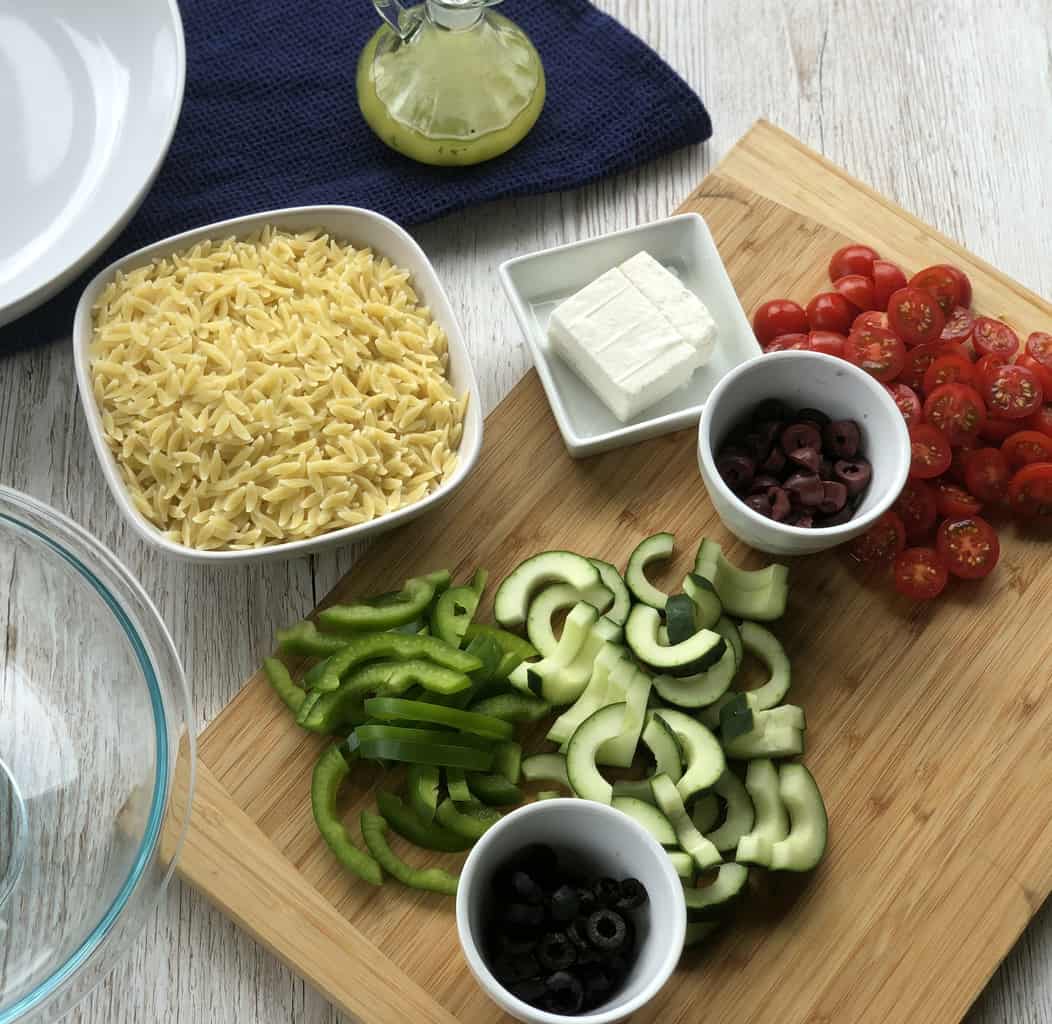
x: 634, y: 335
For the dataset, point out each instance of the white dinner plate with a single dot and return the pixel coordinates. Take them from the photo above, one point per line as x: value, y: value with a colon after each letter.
x: 90, y: 92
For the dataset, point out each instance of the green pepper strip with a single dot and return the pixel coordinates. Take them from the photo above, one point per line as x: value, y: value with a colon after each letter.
x: 279, y: 678
x: 491, y: 789
x: 305, y: 640
x: 431, y: 879
x: 422, y: 782
x: 516, y: 650
x: 423, y: 833
x: 419, y: 746
x: 329, y: 775
x: 387, y: 611
x: 512, y: 707
x: 394, y: 709
x: 468, y: 820
x: 457, y: 785
x: 453, y: 613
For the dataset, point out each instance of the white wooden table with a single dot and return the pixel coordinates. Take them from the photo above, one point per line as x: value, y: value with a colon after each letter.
x: 946, y: 106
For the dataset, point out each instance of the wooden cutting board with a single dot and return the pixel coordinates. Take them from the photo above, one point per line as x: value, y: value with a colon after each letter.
x: 929, y: 732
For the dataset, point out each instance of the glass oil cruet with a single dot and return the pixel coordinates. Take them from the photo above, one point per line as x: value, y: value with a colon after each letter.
x: 449, y: 82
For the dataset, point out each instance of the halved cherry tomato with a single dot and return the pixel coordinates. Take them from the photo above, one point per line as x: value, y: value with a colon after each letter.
x: 956, y: 409
x: 929, y: 452
x: 991, y: 337
x: 878, y: 352
x: 920, y: 358
x: 881, y: 542
x: 942, y: 283
x: 915, y: 316
x: 871, y: 318
x: 959, y: 325
x: 830, y: 311
x: 1012, y: 392
x: 964, y: 283
x: 915, y: 506
x: 986, y: 475
x: 948, y: 369
x: 961, y: 453
x: 778, y: 317
x: 920, y: 574
x: 1041, y: 420
x: 830, y: 343
x: 969, y: 547
x: 787, y: 341
x: 1026, y: 446
x: 1043, y: 374
x: 996, y: 428
x: 907, y: 401
x: 888, y: 278
x: 987, y: 365
x: 857, y: 289
x: 952, y: 500
x: 1030, y: 491
x: 852, y: 259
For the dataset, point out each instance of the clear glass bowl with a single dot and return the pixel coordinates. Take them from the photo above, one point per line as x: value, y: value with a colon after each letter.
x: 96, y: 760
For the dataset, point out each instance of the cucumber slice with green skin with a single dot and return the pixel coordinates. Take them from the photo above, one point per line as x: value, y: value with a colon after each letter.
x: 707, y: 603
x: 679, y: 618
x: 684, y: 865
x: 469, y: 820
x: 764, y: 644
x: 591, y: 734
x: 741, y: 815
x: 730, y: 632
x: 704, y: 854
x: 554, y: 599
x: 422, y: 782
x: 507, y: 761
x: 702, y: 689
x: 562, y: 676
x: 648, y: 816
x: 657, y: 548
x: 776, y: 741
x: 705, y: 813
x: 661, y: 741
x: 698, y: 932
x: 772, y: 818
x: 493, y: 789
x: 702, y: 753
x: 714, y: 900
x: 620, y: 750
x: 512, y: 600
x: 457, y: 785
x: 592, y: 698
x: 694, y: 655
x: 759, y: 594
x: 805, y: 845
x: 613, y: 582
x: 545, y: 768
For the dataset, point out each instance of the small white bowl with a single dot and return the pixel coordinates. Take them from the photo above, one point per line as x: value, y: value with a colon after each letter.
x: 599, y: 839
x: 348, y: 224
x: 802, y: 380
x: 537, y: 283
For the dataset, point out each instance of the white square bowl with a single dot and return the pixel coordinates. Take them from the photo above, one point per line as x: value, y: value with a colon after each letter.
x: 537, y: 283
x: 361, y: 228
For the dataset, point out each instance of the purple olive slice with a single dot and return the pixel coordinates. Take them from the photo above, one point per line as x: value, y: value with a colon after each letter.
x: 808, y: 458
x: 759, y: 503
x: 774, y: 463
x: 762, y: 481
x: 780, y: 506
x: 805, y: 488
x: 854, y: 474
x: 834, y: 499
x: 843, y: 438
x: 801, y: 435
x: 736, y: 468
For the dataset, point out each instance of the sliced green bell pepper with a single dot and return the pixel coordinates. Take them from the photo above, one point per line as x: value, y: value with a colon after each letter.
x: 431, y: 879
x: 330, y: 772
x: 515, y: 649
x: 491, y: 788
x: 395, y: 709
x: 281, y: 682
x: 423, y: 833
x: 453, y: 613
x: 457, y: 785
x: 305, y: 640
x: 421, y: 746
x: 387, y: 611
x: 468, y: 820
x: 512, y: 707
x: 422, y: 783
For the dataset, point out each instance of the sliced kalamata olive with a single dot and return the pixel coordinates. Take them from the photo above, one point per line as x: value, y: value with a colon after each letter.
x: 801, y: 519
x: 835, y: 498
x: 801, y: 435
x: 762, y: 481
x: 780, y: 506
x: 806, y: 488
x: 774, y: 463
x: 843, y: 438
x: 770, y: 409
x: 812, y: 416
x: 759, y: 503
x: 825, y: 468
x: 854, y: 474
x: 837, y: 518
x: 736, y: 468
x: 806, y: 457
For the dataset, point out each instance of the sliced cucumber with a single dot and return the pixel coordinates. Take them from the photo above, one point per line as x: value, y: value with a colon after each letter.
x: 772, y: 819
x: 698, y: 932
x: 613, y: 582
x: 648, y: 816
x: 620, y: 750
x: 730, y: 632
x: 776, y: 741
x: 679, y: 619
x: 545, y: 768
x: 704, y: 854
x: 705, y: 813
x: 683, y: 863
x: 701, y: 689
x: 556, y: 598
x: 530, y: 675
x: 663, y: 744
x: 764, y: 644
x: 805, y: 845
x: 585, y: 778
x: 512, y: 601
x: 707, y: 604
x: 694, y: 655
x: 593, y: 697
x: 702, y: 753
x: 760, y: 594
x: 657, y: 548
x: 713, y: 900
x: 741, y: 816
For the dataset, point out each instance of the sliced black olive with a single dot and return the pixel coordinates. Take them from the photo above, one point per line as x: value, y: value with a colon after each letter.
x: 813, y: 416
x: 565, y: 903
x: 532, y: 990
x: 835, y: 498
x: 555, y: 951
x: 525, y: 888
x: 779, y: 500
x: 806, y: 458
x: 801, y: 435
x: 606, y: 929
x: 843, y: 438
x: 760, y: 483
x: 759, y: 503
x: 564, y: 995
x: 805, y: 488
x: 633, y: 894
x: 770, y: 409
x: 607, y: 891
x: 523, y: 917
x: 737, y: 469
x: 774, y: 463
x: 854, y: 474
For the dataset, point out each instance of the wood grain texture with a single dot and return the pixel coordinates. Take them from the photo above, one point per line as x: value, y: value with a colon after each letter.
x: 946, y: 107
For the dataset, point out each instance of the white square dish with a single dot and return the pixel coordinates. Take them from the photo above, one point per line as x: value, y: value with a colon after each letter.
x: 537, y: 283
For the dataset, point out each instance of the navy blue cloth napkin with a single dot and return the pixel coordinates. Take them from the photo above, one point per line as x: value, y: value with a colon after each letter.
x: 270, y: 119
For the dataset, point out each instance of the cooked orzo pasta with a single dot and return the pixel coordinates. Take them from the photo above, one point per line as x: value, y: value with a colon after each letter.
x: 272, y: 389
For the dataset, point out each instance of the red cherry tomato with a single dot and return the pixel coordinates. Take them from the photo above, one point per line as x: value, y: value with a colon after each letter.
x: 996, y: 429
x: 920, y: 574
x: 828, y: 342
x: 986, y: 475
x: 888, y: 278
x: 952, y: 500
x: 961, y: 453
x: 920, y: 358
x: 1043, y: 374
x: 830, y: 311
x: 968, y: 546
x: 881, y: 542
x: 915, y: 316
x: 955, y: 409
x: 852, y: 259
x: 1041, y: 420
x: 858, y: 290
x: 948, y: 369
x: 1012, y: 392
x: 929, y: 452
x: 1026, y: 446
x: 959, y: 325
x: 878, y: 352
x: 991, y: 337
x: 907, y: 401
x: 915, y: 506
x: 987, y: 365
x: 1030, y: 491
x: 871, y: 318
x: 942, y: 283
x: 778, y: 317
x: 787, y: 341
